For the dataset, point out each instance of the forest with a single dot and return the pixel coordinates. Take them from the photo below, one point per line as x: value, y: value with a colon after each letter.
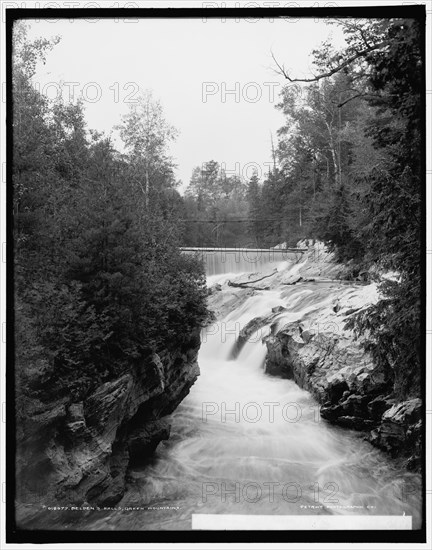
x: 99, y: 277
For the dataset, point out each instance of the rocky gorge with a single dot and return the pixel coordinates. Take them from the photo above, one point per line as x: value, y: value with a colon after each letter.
x: 308, y: 342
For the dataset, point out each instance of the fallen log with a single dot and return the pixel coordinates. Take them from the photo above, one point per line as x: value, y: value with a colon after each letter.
x: 247, y: 285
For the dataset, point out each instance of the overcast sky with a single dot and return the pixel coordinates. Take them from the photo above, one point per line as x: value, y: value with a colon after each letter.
x: 189, y: 64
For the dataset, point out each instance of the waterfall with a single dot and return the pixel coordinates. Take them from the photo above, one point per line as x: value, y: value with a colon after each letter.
x: 243, y: 442
x: 229, y: 261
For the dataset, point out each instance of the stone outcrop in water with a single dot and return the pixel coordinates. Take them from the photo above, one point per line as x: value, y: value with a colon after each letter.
x: 352, y: 392
x: 79, y: 452
x: 400, y: 430
x: 331, y: 367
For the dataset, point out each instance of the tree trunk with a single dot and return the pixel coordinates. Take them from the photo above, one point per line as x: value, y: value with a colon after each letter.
x: 333, y: 152
x: 147, y: 187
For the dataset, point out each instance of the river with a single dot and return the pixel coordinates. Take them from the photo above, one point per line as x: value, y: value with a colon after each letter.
x: 243, y: 442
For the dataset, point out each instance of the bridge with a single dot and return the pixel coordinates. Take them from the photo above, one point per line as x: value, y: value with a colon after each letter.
x: 241, y: 250
x: 243, y: 260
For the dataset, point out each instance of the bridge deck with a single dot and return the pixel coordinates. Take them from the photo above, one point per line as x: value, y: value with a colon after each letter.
x: 209, y: 249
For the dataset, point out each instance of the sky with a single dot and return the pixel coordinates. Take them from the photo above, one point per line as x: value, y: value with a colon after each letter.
x: 215, y: 79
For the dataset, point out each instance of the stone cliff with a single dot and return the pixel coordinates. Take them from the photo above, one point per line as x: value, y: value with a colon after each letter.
x: 79, y: 452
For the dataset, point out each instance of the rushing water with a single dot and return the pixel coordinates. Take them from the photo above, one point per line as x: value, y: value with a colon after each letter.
x: 243, y: 442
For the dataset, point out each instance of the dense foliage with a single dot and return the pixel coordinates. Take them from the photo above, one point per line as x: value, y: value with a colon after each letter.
x: 100, y: 281
x: 350, y: 174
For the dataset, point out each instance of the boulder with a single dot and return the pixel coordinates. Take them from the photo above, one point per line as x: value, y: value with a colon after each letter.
x: 333, y: 367
x: 378, y: 406
x: 349, y: 412
x: 336, y: 306
x: 400, y: 428
x: 282, y: 351
x: 291, y: 279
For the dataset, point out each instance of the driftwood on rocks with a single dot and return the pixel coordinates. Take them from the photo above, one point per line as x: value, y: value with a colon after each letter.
x: 247, y: 284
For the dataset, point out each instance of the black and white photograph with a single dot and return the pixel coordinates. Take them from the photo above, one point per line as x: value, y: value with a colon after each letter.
x: 216, y: 225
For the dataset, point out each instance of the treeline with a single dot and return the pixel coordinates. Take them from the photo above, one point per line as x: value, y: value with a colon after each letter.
x: 99, y: 279
x: 223, y: 210
x: 343, y: 134
x: 215, y: 208
x: 349, y: 173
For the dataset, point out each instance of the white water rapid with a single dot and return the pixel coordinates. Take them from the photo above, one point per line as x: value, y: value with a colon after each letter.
x: 243, y: 442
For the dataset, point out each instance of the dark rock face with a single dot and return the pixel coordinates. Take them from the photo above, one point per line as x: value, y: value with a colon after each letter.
x: 246, y: 332
x: 80, y: 452
x: 143, y: 440
x: 400, y: 428
x: 352, y: 392
x: 331, y: 366
x: 281, y: 350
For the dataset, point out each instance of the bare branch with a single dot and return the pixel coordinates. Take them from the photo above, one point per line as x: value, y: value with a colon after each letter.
x: 351, y: 98
x: 371, y: 96
x: 331, y: 72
